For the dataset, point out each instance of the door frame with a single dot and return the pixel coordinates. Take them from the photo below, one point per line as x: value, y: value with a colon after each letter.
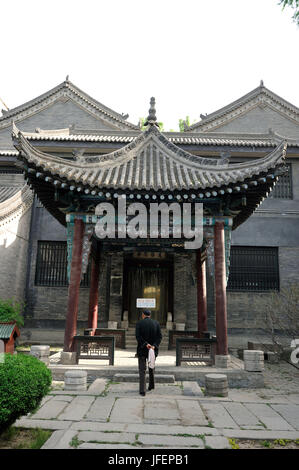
x: 168, y: 263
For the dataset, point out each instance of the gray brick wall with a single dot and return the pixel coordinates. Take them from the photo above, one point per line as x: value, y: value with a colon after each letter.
x: 13, y: 257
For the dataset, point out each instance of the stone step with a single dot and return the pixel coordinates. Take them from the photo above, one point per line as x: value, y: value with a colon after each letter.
x: 159, y: 378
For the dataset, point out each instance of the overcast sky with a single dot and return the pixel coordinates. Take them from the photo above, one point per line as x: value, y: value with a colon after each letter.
x: 194, y: 56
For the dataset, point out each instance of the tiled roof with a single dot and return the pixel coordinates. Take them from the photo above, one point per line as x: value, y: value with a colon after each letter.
x: 259, y: 140
x: 151, y: 161
x: 66, y: 89
x: 6, y: 330
x: 258, y: 96
x: 14, y: 201
x: 6, y: 192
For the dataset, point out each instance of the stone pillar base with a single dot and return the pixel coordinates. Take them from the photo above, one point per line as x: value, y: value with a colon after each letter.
x: 180, y: 326
x: 221, y: 361
x: 112, y: 325
x: 124, y: 324
x: 68, y: 358
x: 253, y: 360
x: 41, y: 352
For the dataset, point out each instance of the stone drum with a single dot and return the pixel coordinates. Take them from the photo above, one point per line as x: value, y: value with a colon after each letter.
x: 253, y: 360
x: 75, y: 380
x: 41, y: 352
x: 216, y: 385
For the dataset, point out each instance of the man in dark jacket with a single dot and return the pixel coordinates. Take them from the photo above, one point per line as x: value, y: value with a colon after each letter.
x: 149, y: 336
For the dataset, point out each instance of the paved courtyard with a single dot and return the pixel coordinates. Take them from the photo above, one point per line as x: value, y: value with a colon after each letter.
x: 113, y: 415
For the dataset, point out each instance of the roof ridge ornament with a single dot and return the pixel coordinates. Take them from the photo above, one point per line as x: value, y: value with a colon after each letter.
x: 262, y: 83
x: 152, y: 118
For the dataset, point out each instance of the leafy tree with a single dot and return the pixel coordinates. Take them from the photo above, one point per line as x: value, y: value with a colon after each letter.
x: 10, y: 310
x: 293, y: 4
x: 281, y: 316
x: 183, y: 123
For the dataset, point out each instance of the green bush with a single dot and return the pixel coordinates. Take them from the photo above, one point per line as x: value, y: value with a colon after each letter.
x: 10, y: 310
x: 24, y: 381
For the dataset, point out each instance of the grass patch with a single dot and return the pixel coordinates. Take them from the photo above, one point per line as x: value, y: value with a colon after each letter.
x: 75, y: 442
x: 233, y: 444
x: 20, y: 438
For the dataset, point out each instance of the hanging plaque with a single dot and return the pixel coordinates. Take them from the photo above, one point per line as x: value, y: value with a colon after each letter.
x: 146, y: 303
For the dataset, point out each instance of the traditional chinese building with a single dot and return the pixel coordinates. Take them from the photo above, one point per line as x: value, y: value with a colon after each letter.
x: 76, y: 153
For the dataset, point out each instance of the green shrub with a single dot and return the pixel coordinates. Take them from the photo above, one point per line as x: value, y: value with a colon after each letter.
x: 24, y: 381
x: 10, y: 310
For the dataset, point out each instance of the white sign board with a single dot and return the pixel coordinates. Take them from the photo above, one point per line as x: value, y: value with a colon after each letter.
x: 146, y: 303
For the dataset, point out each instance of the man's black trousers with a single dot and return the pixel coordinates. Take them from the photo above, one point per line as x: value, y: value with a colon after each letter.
x: 142, y: 375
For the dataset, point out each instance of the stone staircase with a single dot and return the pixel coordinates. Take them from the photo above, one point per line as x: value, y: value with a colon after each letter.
x: 131, y: 342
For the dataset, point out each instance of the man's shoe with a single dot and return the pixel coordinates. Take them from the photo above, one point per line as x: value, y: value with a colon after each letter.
x: 142, y: 393
x: 150, y: 388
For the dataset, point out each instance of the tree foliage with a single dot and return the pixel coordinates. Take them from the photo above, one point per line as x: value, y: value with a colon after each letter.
x: 10, y: 311
x: 293, y: 4
x: 281, y: 315
x: 142, y: 121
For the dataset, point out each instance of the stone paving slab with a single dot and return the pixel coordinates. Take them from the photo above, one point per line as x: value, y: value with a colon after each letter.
x: 241, y: 415
x: 100, y: 409
x: 263, y: 434
x: 127, y: 410
x: 92, y: 436
x: 191, y: 413
x: 97, y: 426
x: 90, y: 445
x: 294, y: 398
x: 290, y: 413
x: 60, y: 440
x: 65, y: 398
x: 176, y: 429
x: 192, y: 389
x: 217, y: 442
x: 218, y: 415
x: 165, y: 441
x: 51, y: 409
x: 77, y: 409
x: 98, y: 386
x: 132, y: 388
x: 247, y: 396
x: 42, y: 423
x: 160, y: 409
x: 269, y: 417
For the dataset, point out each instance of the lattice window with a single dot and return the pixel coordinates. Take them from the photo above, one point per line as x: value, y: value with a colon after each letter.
x: 253, y: 269
x: 283, y: 188
x: 51, y: 265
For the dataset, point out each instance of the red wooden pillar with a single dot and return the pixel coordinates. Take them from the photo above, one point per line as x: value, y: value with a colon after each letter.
x: 220, y: 289
x: 94, y: 295
x: 74, y: 286
x: 201, y: 296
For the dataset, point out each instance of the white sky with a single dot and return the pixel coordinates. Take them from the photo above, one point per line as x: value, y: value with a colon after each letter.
x: 194, y: 56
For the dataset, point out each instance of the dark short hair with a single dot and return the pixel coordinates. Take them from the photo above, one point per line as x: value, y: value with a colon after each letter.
x: 146, y: 312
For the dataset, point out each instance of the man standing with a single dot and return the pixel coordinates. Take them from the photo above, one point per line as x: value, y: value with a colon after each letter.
x: 149, y: 336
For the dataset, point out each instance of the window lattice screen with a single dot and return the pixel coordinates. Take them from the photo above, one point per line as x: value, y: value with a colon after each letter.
x: 51, y: 265
x: 253, y: 269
